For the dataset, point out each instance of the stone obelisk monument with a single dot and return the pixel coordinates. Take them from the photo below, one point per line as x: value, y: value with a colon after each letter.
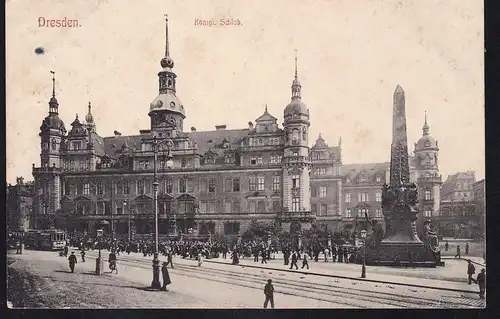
x: 399, y: 198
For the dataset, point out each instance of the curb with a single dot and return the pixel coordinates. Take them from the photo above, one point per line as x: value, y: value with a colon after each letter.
x: 351, y: 278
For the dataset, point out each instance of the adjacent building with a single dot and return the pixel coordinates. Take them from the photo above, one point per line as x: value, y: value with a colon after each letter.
x: 459, y: 187
x: 19, y: 201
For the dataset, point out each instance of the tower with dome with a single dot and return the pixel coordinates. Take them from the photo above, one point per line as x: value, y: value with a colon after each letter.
x: 425, y: 173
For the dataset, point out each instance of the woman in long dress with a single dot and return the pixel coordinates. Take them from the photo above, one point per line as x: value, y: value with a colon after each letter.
x: 234, y: 256
x: 166, y: 276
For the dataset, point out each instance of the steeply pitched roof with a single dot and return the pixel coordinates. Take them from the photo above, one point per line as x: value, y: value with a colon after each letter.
x: 364, y: 173
x: 113, y: 144
x: 213, y: 139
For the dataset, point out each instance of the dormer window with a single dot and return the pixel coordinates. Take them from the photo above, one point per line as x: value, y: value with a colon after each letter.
x: 77, y: 145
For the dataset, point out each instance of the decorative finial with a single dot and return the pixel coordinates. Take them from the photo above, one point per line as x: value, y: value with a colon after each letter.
x: 296, y: 75
x: 90, y: 106
x: 53, y: 83
x: 425, y: 116
x: 167, y: 61
x: 319, y: 135
x: 266, y: 108
x: 77, y: 116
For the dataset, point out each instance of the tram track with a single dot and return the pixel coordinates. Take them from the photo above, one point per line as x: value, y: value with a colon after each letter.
x: 353, y: 297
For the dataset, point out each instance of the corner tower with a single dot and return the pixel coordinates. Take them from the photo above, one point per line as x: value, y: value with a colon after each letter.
x: 166, y: 110
x: 428, y: 180
x: 296, y: 162
x: 47, y: 176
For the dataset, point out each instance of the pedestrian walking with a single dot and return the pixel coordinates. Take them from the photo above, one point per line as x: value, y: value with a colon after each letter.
x: 72, y: 261
x: 304, y: 262
x: 83, y: 255
x: 294, y: 261
x: 200, y: 260
x: 471, y: 270
x: 18, y: 247
x: 481, y: 281
x: 466, y: 248
x: 166, y: 276
x: 170, y: 260
x: 458, y: 252
x: 269, y: 293
x: 264, y: 255
x: 112, y: 262
x: 326, y: 252
x: 446, y: 246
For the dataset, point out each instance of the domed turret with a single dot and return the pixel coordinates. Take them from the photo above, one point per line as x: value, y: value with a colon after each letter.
x: 296, y: 106
x: 167, y: 103
x: 426, y: 141
x: 52, y: 121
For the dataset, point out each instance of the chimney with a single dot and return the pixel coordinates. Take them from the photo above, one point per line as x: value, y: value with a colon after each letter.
x: 250, y: 125
x: 220, y: 127
x: 117, y: 133
x: 193, y: 129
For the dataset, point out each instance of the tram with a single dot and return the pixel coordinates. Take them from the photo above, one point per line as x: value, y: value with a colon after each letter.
x: 50, y: 239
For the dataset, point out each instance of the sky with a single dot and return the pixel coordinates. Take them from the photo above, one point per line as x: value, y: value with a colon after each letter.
x: 351, y: 56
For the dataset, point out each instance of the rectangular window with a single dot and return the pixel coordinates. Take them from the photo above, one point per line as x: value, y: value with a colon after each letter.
x: 67, y: 189
x: 190, y: 185
x: 126, y: 188
x: 324, y: 209
x: 252, y: 207
x: 119, y: 188
x: 252, y: 186
x: 210, y: 206
x: 261, y: 207
x: 260, y: 185
x: 203, y: 186
x: 378, y: 196
x: 227, y: 207
x: 211, y: 185
x: 347, y: 198
x: 183, y: 162
x: 427, y: 194
x: 140, y: 187
x: 259, y: 161
x: 182, y: 185
x: 363, y: 197
x: 322, y: 191
x: 86, y: 189
x: 276, y: 183
x: 235, y: 208
x: 227, y: 185
x: 295, y: 204
x: 295, y: 153
x: 203, y: 207
x: 253, y: 161
x: 100, y: 208
x: 314, y: 191
x: 77, y: 146
x: 236, y: 184
x: 348, y: 212
x: 100, y: 188
x: 362, y: 212
x: 378, y: 212
x: 313, y: 209
x: 316, y: 171
x: 295, y: 181
x: 322, y: 171
x: 427, y: 213
x: 276, y: 206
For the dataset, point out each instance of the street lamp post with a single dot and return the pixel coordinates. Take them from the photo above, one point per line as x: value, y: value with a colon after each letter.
x: 155, y: 284
x: 363, y: 268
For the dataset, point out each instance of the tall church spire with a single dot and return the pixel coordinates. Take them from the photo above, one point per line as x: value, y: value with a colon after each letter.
x: 53, y: 104
x: 167, y: 62
x: 296, y: 83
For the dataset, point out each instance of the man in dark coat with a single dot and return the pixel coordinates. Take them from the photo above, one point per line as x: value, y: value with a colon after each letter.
x: 471, y: 270
x: 83, y: 255
x: 263, y: 255
x: 304, y: 262
x: 458, y: 252
x: 170, y: 260
x: 294, y: 261
x: 446, y: 246
x: 466, y: 248
x: 269, y: 293
x: 72, y: 261
x: 481, y: 281
x: 166, y: 276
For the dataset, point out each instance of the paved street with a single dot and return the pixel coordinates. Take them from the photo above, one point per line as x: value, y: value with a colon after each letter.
x: 45, y: 276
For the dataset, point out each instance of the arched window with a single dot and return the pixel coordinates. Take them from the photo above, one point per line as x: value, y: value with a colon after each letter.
x: 295, y: 136
x: 304, y: 134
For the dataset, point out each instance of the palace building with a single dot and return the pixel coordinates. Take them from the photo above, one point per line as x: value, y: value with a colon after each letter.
x: 216, y: 182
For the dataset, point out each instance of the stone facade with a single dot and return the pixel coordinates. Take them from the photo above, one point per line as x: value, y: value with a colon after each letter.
x: 215, y: 181
x: 19, y: 201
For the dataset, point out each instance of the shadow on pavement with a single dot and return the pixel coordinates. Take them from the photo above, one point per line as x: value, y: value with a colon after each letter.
x: 63, y: 271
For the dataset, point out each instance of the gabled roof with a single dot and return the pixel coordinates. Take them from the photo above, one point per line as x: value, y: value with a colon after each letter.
x: 213, y: 139
x: 353, y: 172
x: 266, y: 117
